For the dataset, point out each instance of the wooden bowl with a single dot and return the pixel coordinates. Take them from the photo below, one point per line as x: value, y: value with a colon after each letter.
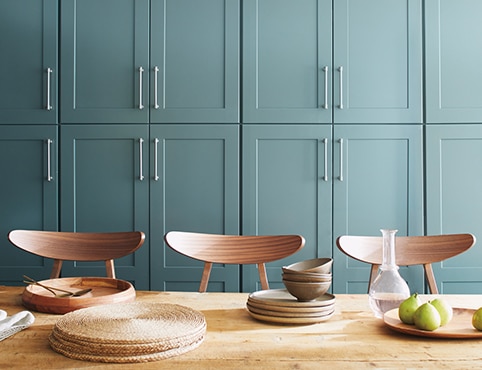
x: 306, y: 292
x: 315, y: 265
x: 104, y: 291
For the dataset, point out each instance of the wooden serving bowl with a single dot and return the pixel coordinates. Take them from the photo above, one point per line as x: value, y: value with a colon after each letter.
x: 104, y: 291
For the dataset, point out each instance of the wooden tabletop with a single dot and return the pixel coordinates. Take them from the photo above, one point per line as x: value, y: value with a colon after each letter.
x: 351, y: 339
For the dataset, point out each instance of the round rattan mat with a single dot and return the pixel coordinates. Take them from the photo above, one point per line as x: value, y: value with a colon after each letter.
x: 128, y: 332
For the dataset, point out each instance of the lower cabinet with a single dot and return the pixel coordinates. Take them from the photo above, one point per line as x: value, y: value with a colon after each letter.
x: 454, y: 201
x: 28, y: 195
x: 104, y: 187
x: 194, y: 186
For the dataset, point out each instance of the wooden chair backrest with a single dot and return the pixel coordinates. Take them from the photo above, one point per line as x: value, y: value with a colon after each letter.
x: 410, y: 250
x: 233, y: 249
x: 75, y: 246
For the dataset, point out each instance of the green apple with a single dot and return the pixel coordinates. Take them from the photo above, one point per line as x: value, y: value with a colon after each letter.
x: 477, y: 319
x: 444, y: 309
x: 408, y: 307
x: 426, y: 317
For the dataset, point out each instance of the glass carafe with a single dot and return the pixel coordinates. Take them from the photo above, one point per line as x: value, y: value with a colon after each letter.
x: 388, y: 289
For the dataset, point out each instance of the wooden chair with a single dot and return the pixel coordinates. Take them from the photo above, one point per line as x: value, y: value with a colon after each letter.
x: 74, y: 246
x: 410, y: 250
x: 233, y: 249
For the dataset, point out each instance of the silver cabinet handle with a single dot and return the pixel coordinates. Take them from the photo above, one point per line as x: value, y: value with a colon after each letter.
x: 156, y: 175
x: 49, y: 160
x: 325, y: 104
x: 325, y: 143
x: 341, y: 160
x: 340, y: 69
x: 156, y: 72
x: 141, y: 71
x: 141, y: 174
x: 49, y: 78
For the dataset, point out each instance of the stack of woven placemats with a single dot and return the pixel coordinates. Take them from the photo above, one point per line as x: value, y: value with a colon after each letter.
x: 128, y: 332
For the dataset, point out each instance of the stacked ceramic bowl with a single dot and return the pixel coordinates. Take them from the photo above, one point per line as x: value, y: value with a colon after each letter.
x: 309, y: 279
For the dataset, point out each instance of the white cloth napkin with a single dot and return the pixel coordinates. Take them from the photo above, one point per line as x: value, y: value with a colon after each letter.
x: 9, y: 325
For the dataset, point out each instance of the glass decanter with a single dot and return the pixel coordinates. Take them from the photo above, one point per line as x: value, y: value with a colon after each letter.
x: 388, y: 289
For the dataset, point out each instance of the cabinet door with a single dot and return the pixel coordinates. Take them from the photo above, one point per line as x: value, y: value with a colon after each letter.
x: 105, y: 56
x: 105, y: 188
x: 287, y: 190
x: 28, y: 66
x: 378, y: 183
x: 195, y: 61
x: 377, y: 61
x: 453, y: 58
x: 286, y: 47
x: 28, y: 196
x: 454, y: 201
x: 194, y: 186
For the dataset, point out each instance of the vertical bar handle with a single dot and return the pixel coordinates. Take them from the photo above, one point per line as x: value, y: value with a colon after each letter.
x: 156, y: 103
x: 141, y: 174
x: 325, y: 175
x: 141, y: 72
x: 49, y: 78
x: 156, y: 174
x: 325, y: 104
x: 341, y: 160
x: 340, y: 69
x: 49, y: 160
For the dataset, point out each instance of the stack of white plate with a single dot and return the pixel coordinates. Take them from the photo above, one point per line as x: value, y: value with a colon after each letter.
x: 279, y: 306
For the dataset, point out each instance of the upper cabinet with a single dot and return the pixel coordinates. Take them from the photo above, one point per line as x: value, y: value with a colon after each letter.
x: 28, y: 76
x: 453, y: 58
x: 308, y: 61
x: 195, y: 61
x: 105, y: 61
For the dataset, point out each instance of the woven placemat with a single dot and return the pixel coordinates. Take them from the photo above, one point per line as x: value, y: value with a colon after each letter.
x: 130, y: 332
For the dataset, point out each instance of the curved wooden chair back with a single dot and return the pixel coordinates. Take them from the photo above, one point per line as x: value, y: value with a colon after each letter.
x: 233, y: 249
x: 410, y: 250
x: 74, y: 246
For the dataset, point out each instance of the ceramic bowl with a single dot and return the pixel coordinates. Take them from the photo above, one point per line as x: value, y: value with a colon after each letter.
x: 305, y: 278
x: 315, y: 265
x: 306, y: 291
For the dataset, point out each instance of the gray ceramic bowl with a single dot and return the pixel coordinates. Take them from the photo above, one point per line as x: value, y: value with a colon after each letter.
x: 315, y: 265
x: 306, y: 292
x: 306, y: 278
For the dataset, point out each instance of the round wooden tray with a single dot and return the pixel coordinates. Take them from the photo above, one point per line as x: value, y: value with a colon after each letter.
x: 104, y: 291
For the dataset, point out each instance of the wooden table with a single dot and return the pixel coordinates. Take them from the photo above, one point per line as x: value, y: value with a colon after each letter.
x: 351, y: 339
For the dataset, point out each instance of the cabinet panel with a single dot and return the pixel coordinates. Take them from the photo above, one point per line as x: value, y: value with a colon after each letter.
x: 103, y: 46
x: 286, y: 44
x: 378, y: 43
x: 28, y: 197
x: 197, y: 190
x: 28, y: 40
x: 105, y: 188
x: 287, y: 190
x: 378, y: 183
x: 454, y: 203
x: 195, y: 46
x: 453, y: 81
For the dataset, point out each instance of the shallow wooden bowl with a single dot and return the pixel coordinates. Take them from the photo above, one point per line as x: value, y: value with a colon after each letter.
x: 104, y: 291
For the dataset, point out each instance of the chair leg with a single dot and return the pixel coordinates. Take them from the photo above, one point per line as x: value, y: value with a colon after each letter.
x: 109, y: 265
x: 373, y: 275
x: 56, y: 269
x: 262, y: 276
x: 432, y: 285
x: 205, y: 278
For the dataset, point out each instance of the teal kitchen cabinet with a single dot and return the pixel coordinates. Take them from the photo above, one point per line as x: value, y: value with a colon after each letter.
x: 105, y: 61
x: 377, y: 183
x: 452, y: 62
x: 194, y: 186
x: 28, y: 66
x: 287, y: 189
x: 454, y: 201
x: 29, y: 195
x: 308, y: 61
x: 194, y: 70
x: 104, y: 187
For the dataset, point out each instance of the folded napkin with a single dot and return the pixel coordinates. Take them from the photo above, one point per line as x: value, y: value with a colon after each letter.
x: 9, y: 325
